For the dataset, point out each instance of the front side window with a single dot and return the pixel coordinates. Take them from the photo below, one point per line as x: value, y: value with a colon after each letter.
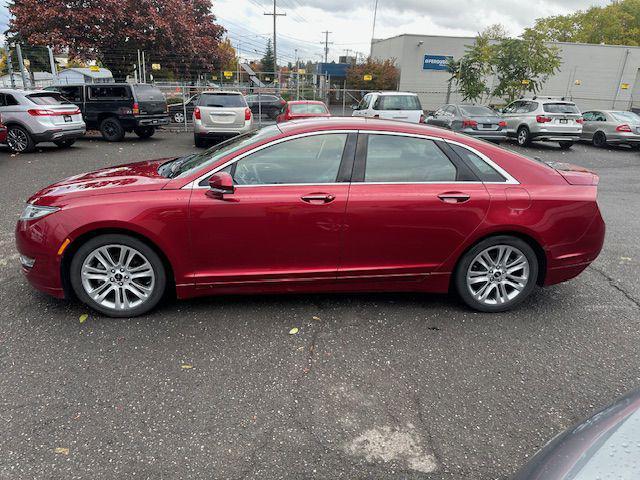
x: 406, y: 159
x: 364, y: 103
x: 314, y: 159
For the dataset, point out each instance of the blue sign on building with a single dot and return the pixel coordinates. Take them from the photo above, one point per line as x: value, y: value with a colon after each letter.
x: 435, y: 62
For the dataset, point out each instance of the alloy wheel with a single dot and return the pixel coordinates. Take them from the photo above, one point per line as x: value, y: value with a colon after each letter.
x: 497, y: 275
x: 178, y: 117
x: 117, y: 277
x: 17, y: 140
x: 522, y: 137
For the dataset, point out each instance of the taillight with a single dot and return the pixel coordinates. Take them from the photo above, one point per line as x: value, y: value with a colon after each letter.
x: 623, y: 128
x: 196, y: 114
x: 247, y: 114
x: 423, y: 119
x: 542, y: 119
x: 43, y: 112
x: 469, y: 123
x: 136, y: 109
x: 502, y: 123
x: 580, y: 120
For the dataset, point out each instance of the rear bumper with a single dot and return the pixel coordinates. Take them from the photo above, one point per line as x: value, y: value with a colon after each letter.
x: 492, y: 135
x: 155, y: 121
x: 53, y: 135
x: 555, y: 136
x: 201, y: 130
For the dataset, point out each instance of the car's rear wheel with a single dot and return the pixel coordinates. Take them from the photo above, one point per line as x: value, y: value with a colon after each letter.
x: 199, y: 141
x: 19, y: 139
x: 599, y: 140
x: 178, y: 117
x: 111, y: 130
x: 497, y: 274
x: 565, y: 145
x: 64, y: 143
x: 144, y: 132
x: 118, y: 275
x: 524, y: 137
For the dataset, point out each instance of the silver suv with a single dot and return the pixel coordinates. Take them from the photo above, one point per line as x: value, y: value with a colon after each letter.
x: 546, y: 119
x: 220, y: 114
x: 38, y: 116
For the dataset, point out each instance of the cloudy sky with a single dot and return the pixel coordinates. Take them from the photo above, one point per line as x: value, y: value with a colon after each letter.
x: 350, y: 21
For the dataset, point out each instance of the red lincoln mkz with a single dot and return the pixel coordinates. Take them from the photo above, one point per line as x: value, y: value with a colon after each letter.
x: 315, y: 206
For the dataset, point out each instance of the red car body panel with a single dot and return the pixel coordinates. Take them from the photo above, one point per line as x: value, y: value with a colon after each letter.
x: 3, y: 132
x: 371, y: 237
x: 288, y: 115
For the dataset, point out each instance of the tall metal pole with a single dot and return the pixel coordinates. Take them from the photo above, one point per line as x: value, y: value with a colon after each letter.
x: 275, y: 48
x: 52, y: 62
x: 297, y: 77
x: 144, y: 68
x: 9, y: 65
x: 21, y: 65
x: 139, y: 79
x: 326, y: 45
x: 373, y: 28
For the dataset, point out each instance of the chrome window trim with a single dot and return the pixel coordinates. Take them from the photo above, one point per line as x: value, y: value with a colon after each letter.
x: 194, y: 184
x: 509, y: 179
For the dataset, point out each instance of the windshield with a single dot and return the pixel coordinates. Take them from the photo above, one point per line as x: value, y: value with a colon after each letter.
x: 560, y: 108
x: 49, y: 98
x: 400, y: 102
x: 306, y: 108
x: 626, y: 117
x: 222, y: 100
x: 472, y: 110
x: 185, y: 165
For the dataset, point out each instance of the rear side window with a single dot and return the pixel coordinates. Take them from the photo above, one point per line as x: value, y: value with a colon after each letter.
x: 626, y: 117
x: 7, y: 100
x: 49, y: 98
x: 560, y: 108
x: 307, y: 108
x: 406, y: 159
x: 485, y: 172
x: 113, y: 92
x: 221, y: 100
x: 73, y: 94
x: 398, y: 102
x: 147, y: 93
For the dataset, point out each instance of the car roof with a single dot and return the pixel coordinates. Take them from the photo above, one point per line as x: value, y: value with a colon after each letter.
x: 355, y: 123
x: 23, y: 92
x: 305, y: 102
x: 223, y: 92
x: 397, y: 93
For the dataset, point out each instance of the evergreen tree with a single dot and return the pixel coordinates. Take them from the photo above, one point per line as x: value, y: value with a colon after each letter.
x: 267, y: 61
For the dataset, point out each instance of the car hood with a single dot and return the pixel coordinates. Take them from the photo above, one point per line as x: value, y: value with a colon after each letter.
x: 132, y: 177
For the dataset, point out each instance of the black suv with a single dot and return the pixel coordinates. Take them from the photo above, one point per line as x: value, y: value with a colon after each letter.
x: 116, y: 108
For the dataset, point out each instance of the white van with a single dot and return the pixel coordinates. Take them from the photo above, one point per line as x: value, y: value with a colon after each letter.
x: 401, y: 106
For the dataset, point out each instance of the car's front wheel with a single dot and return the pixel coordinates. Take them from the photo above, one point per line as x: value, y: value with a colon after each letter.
x: 118, y: 275
x: 19, y: 140
x: 497, y: 274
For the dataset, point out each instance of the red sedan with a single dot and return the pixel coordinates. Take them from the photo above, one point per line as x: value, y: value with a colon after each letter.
x: 3, y: 131
x: 342, y: 204
x: 299, y: 109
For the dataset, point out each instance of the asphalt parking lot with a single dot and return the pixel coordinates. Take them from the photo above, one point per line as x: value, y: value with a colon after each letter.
x: 373, y: 386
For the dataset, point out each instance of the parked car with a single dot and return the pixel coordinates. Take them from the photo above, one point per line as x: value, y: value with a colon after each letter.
x: 299, y: 109
x: 426, y: 210
x: 269, y: 105
x: 611, y: 127
x: 176, y: 110
x: 603, y: 446
x: 401, y: 106
x: 118, y: 108
x: 475, y: 120
x: 544, y: 119
x: 220, y: 114
x: 3, y: 131
x: 34, y: 116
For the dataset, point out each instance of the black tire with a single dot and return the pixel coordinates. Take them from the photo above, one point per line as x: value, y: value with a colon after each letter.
x: 199, y: 141
x: 599, y: 140
x: 116, y: 239
x: 64, y: 143
x: 111, y: 130
x: 460, y: 274
x: 19, y: 140
x: 144, y: 132
x: 565, y: 145
x: 523, y: 137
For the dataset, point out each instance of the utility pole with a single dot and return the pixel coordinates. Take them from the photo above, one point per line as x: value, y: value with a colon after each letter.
x: 52, y: 61
x: 144, y: 69
x: 238, y: 63
x: 139, y: 77
x: 326, y: 45
x: 373, y: 29
x: 21, y: 65
x: 9, y: 65
x: 275, y: 51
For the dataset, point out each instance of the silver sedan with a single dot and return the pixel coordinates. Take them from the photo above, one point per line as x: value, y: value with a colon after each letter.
x: 611, y: 127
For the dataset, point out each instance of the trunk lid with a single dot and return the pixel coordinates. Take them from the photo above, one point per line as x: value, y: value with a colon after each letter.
x: 574, y: 174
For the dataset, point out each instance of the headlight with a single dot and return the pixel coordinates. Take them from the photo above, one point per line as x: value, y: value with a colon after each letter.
x: 31, y: 212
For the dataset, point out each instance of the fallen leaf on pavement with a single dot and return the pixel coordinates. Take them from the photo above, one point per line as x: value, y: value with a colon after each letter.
x: 62, y: 450
x: 83, y: 317
x: 316, y: 318
x: 293, y: 331
x: 186, y: 366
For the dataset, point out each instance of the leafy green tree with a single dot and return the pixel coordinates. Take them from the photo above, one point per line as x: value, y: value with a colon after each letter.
x: 267, y: 62
x: 470, y: 72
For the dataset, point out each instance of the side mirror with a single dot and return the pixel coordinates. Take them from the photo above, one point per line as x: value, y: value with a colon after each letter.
x: 221, y: 183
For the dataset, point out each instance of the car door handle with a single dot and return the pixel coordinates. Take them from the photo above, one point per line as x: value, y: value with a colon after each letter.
x: 318, y: 198
x: 454, y: 197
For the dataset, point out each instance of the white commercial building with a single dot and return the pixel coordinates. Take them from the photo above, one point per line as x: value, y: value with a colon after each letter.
x: 594, y: 76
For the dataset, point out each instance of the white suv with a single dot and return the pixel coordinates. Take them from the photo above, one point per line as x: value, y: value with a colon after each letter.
x: 545, y: 119
x: 401, y: 106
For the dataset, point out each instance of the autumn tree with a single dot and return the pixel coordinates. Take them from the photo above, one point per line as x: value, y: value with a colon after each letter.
x: 384, y: 75
x: 181, y: 35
